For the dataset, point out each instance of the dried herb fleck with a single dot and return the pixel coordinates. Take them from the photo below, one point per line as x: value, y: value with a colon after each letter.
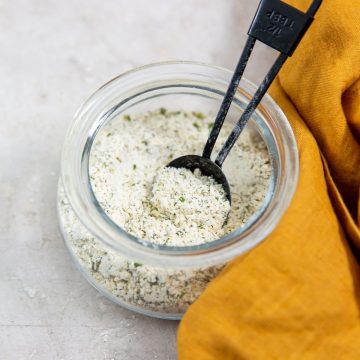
x: 199, y: 115
x: 95, y: 265
x: 196, y: 125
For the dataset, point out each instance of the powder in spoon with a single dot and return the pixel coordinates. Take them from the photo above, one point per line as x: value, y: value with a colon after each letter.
x: 190, y: 206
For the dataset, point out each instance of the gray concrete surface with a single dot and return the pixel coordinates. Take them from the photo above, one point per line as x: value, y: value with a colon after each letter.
x: 53, y: 55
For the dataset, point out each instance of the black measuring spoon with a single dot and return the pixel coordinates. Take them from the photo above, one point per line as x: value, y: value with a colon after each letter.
x: 279, y: 26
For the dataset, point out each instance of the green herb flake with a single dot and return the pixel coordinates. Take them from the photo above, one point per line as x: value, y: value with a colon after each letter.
x: 108, y: 134
x: 199, y: 115
x: 137, y: 264
x: 196, y: 125
x: 134, y: 166
x: 118, y: 159
x: 210, y: 125
x: 163, y: 111
x: 182, y: 199
x: 95, y: 265
x: 127, y: 117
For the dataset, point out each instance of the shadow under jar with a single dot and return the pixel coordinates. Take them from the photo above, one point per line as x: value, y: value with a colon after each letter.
x: 152, y: 279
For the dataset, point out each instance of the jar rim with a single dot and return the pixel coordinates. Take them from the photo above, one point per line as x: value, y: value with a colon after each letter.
x: 89, y: 119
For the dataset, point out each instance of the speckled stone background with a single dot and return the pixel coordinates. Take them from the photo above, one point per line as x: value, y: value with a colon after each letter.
x: 53, y: 55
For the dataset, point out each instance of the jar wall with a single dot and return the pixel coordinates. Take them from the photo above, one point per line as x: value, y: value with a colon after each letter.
x: 155, y: 280
x: 164, y: 292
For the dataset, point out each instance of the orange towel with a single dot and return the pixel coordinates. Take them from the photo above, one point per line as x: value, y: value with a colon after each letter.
x: 297, y: 296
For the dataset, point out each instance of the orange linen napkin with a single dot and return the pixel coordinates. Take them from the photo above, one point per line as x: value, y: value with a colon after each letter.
x: 297, y: 295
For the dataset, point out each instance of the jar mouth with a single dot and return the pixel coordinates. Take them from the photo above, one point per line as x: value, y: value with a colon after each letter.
x: 156, y: 80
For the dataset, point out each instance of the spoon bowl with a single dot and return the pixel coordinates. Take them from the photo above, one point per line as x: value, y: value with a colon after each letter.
x: 207, y: 168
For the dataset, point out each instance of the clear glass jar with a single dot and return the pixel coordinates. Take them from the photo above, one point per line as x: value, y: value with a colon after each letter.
x: 155, y: 280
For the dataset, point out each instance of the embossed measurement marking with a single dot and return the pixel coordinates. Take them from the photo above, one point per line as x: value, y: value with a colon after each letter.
x: 278, y: 22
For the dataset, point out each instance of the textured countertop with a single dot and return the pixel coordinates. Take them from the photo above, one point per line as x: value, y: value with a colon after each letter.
x: 53, y: 55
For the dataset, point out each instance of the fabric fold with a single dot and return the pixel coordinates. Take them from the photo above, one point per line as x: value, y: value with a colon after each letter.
x: 296, y: 296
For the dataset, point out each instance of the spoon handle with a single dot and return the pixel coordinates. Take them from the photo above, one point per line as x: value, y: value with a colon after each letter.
x: 229, y: 96
x: 280, y: 26
x: 246, y: 115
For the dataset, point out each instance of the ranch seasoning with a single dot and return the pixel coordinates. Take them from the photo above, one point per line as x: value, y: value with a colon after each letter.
x: 165, y: 206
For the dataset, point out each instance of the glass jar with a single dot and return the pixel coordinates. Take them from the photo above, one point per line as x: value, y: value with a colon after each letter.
x: 156, y: 280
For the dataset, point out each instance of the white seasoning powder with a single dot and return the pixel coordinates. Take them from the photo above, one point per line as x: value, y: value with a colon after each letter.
x: 163, y: 205
x: 183, y: 208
